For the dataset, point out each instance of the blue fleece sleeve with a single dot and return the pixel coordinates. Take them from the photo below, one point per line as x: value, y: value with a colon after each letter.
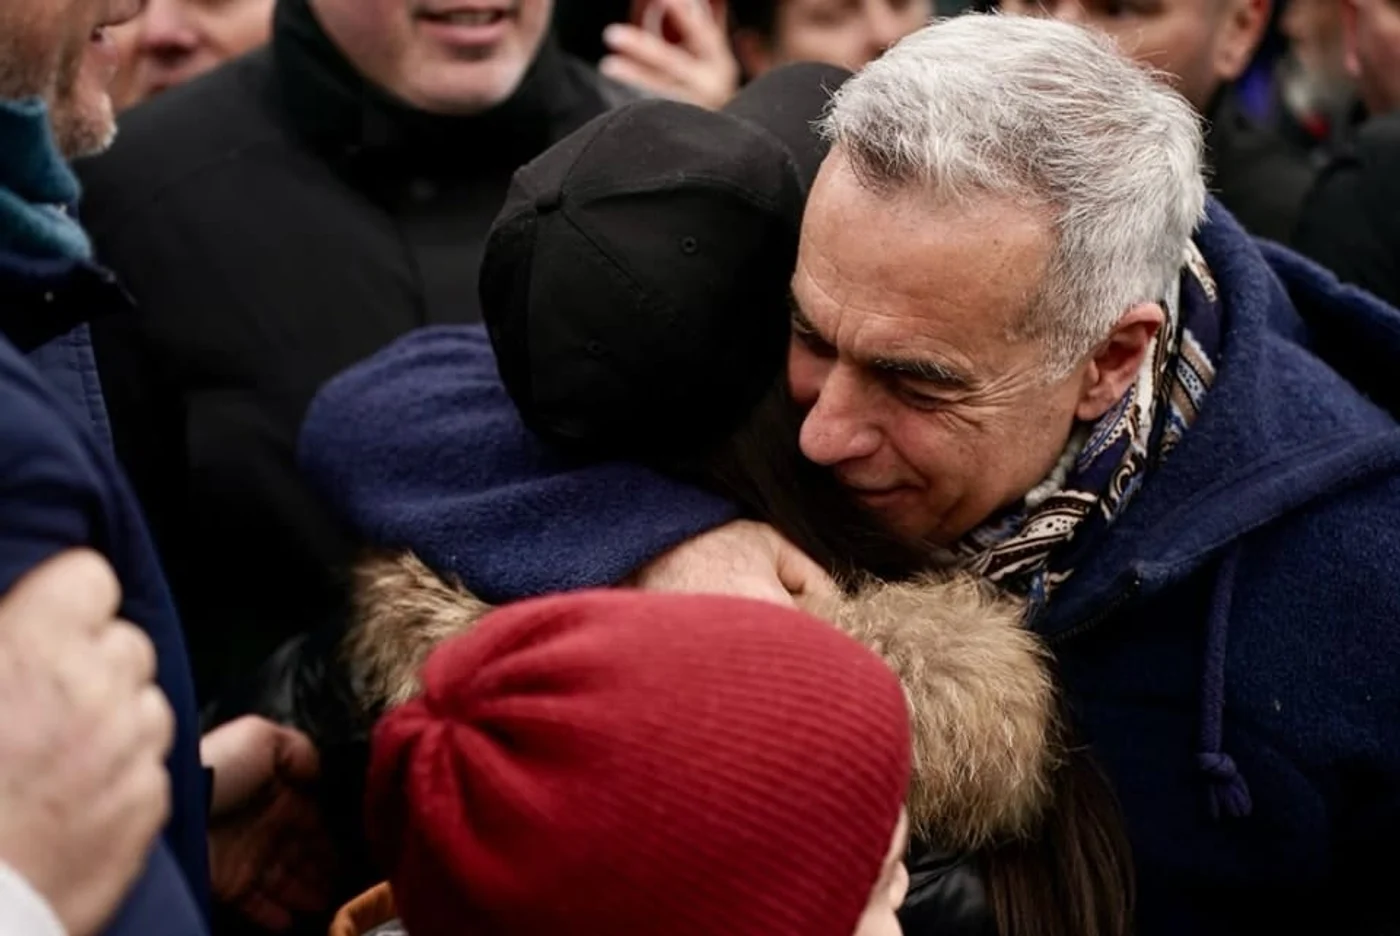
x: 421, y: 448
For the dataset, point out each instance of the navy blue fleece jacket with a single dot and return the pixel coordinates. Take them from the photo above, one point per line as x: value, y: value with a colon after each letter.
x: 60, y: 486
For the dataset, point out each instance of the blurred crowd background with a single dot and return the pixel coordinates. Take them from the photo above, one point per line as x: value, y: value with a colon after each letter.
x: 268, y: 219
x: 1284, y: 85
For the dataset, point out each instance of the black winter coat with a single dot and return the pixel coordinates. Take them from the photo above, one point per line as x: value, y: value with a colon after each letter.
x: 276, y: 222
x: 1351, y: 221
x: 1254, y: 172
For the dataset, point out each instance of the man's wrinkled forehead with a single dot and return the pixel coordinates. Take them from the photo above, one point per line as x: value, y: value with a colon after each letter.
x: 901, y: 279
x: 913, y: 364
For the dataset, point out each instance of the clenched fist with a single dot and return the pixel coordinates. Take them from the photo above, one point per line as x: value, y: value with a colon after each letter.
x: 84, y: 733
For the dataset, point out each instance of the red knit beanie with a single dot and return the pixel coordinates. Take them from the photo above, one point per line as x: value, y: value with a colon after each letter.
x: 634, y: 764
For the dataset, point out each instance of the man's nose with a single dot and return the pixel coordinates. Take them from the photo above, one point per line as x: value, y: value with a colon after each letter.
x: 838, y: 428
x: 168, y: 30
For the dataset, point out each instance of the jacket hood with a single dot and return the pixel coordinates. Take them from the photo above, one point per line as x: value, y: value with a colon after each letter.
x: 981, y: 698
x: 1305, y: 405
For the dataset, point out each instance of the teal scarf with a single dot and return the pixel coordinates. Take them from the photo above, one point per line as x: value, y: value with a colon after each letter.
x: 37, y: 188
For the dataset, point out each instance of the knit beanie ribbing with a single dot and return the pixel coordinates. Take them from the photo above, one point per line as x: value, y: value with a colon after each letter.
x: 620, y: 763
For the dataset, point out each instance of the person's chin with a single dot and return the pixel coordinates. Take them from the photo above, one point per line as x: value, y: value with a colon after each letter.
x: 84, y: 117
x: 86, y: 125
x: 469, y: 87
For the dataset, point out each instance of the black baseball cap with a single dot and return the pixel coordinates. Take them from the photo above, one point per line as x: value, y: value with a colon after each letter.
x: 635, y: 284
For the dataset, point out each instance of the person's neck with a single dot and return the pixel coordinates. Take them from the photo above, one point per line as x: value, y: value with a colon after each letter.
x: 37, y: 188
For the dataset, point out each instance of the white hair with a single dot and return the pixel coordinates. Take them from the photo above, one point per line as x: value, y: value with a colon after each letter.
x: 1049, y: 115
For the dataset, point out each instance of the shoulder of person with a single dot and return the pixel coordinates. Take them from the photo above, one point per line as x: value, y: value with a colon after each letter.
x: 1376, y: 159
x: 1350, y: 220
x: 1313, y: 649
x: 1247, y: 158
x: 1371, y: 151
x: 1380, y: 135
x: 50, y: 481
x: 174, y: 138
x: 1326, y: 571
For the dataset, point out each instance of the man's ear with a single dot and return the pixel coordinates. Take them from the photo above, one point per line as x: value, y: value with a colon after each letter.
x: 1118, y: 360
x: 754, y: 52
x: 1241, y: 29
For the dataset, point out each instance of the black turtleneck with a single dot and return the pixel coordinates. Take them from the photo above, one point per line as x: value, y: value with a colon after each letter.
x: 278, y: 221
x: 441, y: 177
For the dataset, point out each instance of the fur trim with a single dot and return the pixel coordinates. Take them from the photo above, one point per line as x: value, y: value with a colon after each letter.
x: 982, y: 703
x: 402, y: 611
x: 981, y: 699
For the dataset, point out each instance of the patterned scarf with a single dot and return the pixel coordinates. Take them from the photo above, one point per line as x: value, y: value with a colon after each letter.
x: 1033, y: 547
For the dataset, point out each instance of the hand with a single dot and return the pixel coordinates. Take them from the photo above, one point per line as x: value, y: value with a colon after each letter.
x: 746, y: 559
x: 84, y: 733
x: 269, y: 853
x: 701, y: 70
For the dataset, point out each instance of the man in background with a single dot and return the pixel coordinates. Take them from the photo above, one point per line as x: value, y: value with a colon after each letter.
x: 1351, y: 222
x: 1203, y: 46
x: 1315, y: 98
x: 61, y: 491
x: 276, y: 222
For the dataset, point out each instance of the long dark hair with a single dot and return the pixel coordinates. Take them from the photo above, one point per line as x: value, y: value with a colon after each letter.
x: 1075, y: 878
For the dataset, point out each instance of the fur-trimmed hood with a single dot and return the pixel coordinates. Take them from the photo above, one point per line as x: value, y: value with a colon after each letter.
x: 981, y: 698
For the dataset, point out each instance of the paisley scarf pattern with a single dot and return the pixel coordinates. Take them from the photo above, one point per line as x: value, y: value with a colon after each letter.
x: 1031, y: 548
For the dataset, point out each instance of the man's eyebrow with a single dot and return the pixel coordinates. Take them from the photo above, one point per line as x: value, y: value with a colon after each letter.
x: 802, y: 326
x: 920, y: 369
x: 924, y: 371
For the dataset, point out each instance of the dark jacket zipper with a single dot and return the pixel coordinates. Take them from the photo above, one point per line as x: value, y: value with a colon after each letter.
x: 1093, y: 622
